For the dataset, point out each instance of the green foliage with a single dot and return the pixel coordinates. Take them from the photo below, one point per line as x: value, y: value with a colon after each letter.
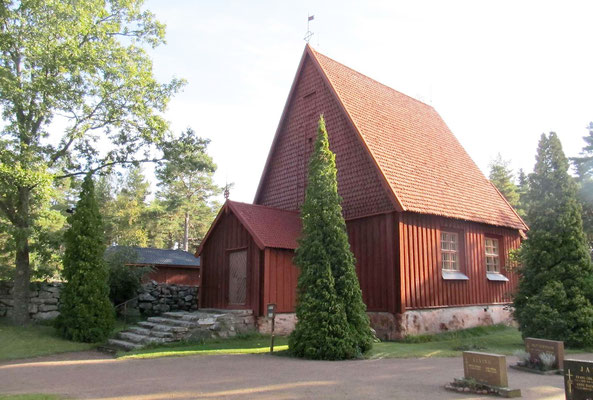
x: 584, y: 169
x: 124, y: 280
x: 556, y: 279
x: 86, y: 64
x: 522, y: 189
x: 502, y: 177
x: 186, y: 187
x: 86, y: 314
x: 332, y: 322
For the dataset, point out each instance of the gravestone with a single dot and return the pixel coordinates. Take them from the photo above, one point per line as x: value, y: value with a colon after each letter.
x: 578, y: 380
x: 537, y: 346
x: 490, y: 369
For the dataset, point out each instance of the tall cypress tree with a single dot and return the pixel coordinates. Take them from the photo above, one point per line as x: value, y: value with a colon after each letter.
x: 332, y: 321
x: 86, y: 314
x: 556, y: 279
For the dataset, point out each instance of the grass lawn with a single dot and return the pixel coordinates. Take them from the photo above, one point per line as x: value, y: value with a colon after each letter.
x: 498, y: 339
x: 243, y: 344
x: 30, y: 397
x: 33, y: 341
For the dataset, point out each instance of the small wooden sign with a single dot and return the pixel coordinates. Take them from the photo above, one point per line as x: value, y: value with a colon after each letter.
x: 578, y: 380
x: 490, y: 369
x: 537, y: 346
x: 271, y: 310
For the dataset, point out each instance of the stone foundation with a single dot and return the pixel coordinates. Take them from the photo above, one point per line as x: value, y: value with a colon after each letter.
x: 283, y: 325
x: 417, y: 322
x: 413, y: 322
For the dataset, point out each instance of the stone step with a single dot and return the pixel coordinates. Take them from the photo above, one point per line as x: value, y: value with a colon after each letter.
x: 132, y: 337
x: 139, y: 331
x: 124, y: 344
x: 170, y: 321
x: 153, y: 326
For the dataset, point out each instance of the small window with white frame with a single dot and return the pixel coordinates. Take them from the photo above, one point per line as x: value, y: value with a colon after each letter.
x: 492, y: 255
x: 450, y: 251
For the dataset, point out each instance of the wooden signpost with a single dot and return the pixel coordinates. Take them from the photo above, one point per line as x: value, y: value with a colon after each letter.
x: 271, y: 313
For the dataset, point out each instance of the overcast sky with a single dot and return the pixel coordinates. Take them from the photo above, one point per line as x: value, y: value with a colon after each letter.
x: 499, y: 73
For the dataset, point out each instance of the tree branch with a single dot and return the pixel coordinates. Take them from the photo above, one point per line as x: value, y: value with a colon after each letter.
x: 109, y: 164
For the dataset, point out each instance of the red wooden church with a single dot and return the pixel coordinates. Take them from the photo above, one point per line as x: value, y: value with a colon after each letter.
x: 431, y: 235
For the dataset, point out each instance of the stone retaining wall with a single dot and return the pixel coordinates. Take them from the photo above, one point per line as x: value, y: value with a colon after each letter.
x: 44, y: 303
x: 153, y: 299
x: 156, y: 298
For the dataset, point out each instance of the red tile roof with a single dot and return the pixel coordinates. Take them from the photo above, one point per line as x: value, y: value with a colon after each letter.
x: 270, y: 227
x: 426, y: 167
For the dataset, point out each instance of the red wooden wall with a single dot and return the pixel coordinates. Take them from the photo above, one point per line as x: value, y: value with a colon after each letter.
x: 359, y: 182
x: 228, y: 234
x: 175, y: 275
x: 424, y: 287
x: 373, y: 241
x: 280, y: 279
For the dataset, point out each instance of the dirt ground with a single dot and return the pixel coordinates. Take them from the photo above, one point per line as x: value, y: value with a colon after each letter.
x: 92, y: 375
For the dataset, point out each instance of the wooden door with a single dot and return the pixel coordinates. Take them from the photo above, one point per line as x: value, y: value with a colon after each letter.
x: 238, y: 277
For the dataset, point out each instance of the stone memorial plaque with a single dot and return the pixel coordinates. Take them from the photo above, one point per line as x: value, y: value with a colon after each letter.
x: 537, y: 346
x: 578, y: 380
x: 486, y: 368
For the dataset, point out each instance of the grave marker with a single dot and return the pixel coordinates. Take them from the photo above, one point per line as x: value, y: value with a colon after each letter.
x: 537, y: 346
x: 578, y: 380
x: 485, y: 368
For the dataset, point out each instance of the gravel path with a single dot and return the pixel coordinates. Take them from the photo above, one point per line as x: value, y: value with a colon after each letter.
x: 92, y: 375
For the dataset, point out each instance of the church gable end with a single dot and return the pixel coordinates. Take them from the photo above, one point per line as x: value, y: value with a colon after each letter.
x: 284, y: 181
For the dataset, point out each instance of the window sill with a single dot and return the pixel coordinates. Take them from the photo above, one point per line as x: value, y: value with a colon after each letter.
x: 496, y: 276
x: 454, y: 276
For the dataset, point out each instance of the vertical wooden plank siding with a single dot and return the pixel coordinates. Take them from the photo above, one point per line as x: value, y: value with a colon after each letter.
x: 280, y: 279
x: 175, y: 275
x: 373, y: 241
x: 420, y: 263
x: 227, y: 235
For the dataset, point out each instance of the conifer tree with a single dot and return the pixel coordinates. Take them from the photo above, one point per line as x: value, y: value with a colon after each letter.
x: 502, y: 177
x: 522, y: 188
x: 86, y: 314
x: 556, y: 279
x: 332, y: 321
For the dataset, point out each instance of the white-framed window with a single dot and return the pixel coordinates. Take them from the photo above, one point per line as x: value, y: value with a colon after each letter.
x: 450, y: 251
x: 492, y: 255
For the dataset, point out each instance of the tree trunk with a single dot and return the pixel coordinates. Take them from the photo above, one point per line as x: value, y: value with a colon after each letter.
x: 22, y: 278
x: 186, y: 232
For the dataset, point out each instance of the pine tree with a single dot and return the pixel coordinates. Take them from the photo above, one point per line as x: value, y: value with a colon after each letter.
x: 556, y: 279
x: 584, y: 169
x: 522, y: 189
x: 332, y: 321
x: 86, y: 315
x: 502, y: 177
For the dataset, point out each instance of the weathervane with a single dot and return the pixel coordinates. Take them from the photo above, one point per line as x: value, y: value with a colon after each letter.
x: 309, y: 33
x: 227, y: 192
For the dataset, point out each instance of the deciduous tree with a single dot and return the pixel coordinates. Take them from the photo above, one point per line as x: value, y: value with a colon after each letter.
x: 84, y: 65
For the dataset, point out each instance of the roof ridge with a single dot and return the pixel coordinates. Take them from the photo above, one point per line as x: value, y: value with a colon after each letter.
x: 368, y: 77
x: 262, y: 206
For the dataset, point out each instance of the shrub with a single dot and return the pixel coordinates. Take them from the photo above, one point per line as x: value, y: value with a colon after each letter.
x: 124, y: 280
x: 86, y: 314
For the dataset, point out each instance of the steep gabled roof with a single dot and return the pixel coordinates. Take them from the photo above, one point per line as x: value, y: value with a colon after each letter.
x: 424, y: 166
x: 152, y: 256
x: 269, y: 227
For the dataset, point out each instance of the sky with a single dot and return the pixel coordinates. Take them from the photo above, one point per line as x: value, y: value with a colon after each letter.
x: 499, y: 73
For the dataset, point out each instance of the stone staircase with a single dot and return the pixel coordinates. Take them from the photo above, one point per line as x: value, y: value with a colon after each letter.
x: 182, y: 325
